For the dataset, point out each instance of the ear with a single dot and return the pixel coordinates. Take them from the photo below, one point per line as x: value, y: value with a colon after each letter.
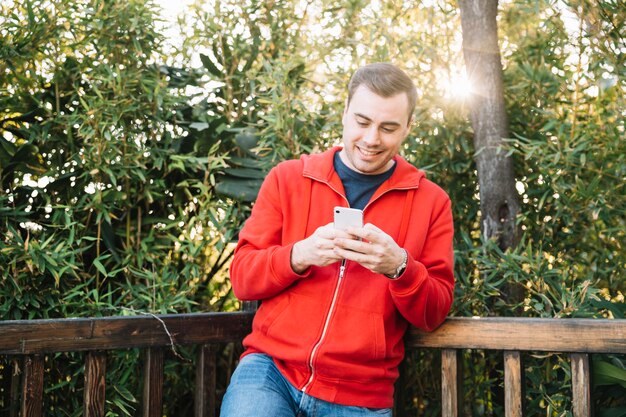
x: 407, y: 128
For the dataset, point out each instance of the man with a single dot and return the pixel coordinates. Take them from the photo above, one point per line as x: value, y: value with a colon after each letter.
x: 328, y: 336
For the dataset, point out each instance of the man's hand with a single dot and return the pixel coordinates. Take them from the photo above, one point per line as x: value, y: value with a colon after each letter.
x: 376, y: 251
x: 317, y: 249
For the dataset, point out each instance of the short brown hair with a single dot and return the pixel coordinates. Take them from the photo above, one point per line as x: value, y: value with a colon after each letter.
x: 386, y: 80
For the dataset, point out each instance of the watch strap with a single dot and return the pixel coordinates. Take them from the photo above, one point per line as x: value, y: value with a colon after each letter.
x: 401, y: 267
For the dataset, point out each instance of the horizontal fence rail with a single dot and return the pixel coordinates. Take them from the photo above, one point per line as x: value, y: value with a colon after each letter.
x: 31, y: 341
x: 526, y: 334
x: 107, y: 333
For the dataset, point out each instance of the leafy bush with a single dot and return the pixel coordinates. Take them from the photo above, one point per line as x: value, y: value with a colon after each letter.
x: 127, y: 168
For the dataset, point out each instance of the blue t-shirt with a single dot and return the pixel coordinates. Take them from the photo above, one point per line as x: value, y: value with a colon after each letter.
x: 359, y: 187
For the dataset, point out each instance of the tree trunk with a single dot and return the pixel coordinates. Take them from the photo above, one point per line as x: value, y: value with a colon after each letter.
x: 499, y: 201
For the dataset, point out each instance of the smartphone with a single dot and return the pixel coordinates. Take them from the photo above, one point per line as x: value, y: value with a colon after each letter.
x: 345, y: 217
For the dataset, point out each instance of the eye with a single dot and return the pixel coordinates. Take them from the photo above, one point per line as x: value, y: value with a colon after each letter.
x: 388, y: 129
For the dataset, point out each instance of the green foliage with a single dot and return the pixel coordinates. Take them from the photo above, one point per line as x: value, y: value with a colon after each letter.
x: 127, y: 168
x: 609, y: 380
x: 103, y: 212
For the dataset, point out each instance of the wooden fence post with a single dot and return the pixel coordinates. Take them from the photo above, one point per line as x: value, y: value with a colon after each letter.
x: 206, y: 371
x: 513, y: 387
x: 95, y: 385
x: 153, y: 383
x: 451, y: 383
x: 581, y: 385
x: 32, y: 386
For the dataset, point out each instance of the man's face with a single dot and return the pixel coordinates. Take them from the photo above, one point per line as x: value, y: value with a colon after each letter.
x: 373, y: 130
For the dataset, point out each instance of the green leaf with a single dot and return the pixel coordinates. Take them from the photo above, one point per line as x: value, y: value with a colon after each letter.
x: 207, y: 62
x: 605, y: 373
x: 247, y: 141
x: 247, y: 162
x: 239, y: 189
x: 100, y: 267
x: 108, y: 236
x: 245, y: 173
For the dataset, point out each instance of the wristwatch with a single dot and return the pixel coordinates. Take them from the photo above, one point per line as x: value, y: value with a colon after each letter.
x: 400, y: 268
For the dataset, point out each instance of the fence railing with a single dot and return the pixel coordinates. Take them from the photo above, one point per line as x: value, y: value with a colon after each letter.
x: 31, y: 341
x: 578, y: 337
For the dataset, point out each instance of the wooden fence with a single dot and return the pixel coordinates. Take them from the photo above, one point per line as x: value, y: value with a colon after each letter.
x: 31, y: 341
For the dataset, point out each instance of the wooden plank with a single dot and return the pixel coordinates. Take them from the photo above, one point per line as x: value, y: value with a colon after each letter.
x: 17, y: 334
x: 206, y: 371
x: 513, y: 384
x: 153, y: 383
x: 32, y: 386
x: 104, y: 333
x: 581, y: 385
x: 94, y: 394
x: 451, y: 383
x: 525, y: 334
x: 499, y: 333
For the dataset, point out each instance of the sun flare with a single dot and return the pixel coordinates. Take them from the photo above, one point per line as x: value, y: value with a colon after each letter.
x: 456, y: 86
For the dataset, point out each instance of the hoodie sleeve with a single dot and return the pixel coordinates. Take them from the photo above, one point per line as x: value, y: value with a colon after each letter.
x: 423, y: 293
x: 261, y: 266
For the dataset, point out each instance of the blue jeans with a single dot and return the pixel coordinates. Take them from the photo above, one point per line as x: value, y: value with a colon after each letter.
x: 258, y: 389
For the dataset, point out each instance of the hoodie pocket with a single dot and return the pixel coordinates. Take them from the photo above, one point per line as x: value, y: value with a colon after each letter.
x: 355, y: 336
x: 290, y: 320
x: 270, y: 311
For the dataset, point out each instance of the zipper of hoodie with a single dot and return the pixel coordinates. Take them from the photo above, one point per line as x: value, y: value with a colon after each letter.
x: 342, y: 270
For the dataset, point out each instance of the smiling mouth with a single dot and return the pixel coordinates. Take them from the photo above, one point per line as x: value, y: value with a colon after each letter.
x: 368, y: 152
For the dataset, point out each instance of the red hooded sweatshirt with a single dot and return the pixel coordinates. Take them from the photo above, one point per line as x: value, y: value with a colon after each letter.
x: 338, y: 334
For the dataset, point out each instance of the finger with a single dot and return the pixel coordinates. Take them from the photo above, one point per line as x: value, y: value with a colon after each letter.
x: 324, y: 244
x: 364, y: 260
x: 356, y: 232
x: 328, y: 259
x: 350, y: 255
x: 370, y: 233
x: 370, y: 226
x: 349, y: 242
x: 344, y: 234
x: 327, y: 231
x: 377, y: 235
x: 367, y: 261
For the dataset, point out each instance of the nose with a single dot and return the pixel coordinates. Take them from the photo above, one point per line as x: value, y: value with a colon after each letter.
x: 371, y: 136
